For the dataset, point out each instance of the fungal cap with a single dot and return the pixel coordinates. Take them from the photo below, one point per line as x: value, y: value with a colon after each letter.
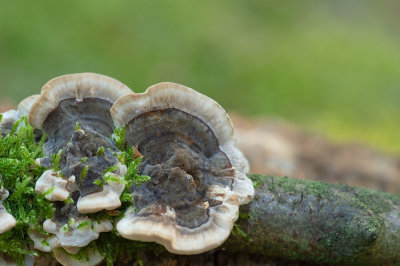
x: 78, y: 86
x: 62, y: 257
x: 45, y: 244
x: 7, y: 121
x: 9, y: 116
x: 25, y: 105
x: 78, y: 235
x: 7, y: 221
x: 108, y: 198
x: 53, y: 186
x: 181, y: 240
x: 171, y: 95
x: 185, y: 112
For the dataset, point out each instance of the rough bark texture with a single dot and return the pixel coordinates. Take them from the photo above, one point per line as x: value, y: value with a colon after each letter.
x: 294, y: 222
x: 321, y: 223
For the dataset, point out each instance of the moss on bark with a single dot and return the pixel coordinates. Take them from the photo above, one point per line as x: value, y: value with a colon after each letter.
x: 317, y: 222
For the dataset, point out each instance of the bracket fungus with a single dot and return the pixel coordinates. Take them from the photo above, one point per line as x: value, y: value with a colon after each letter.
x: 187, y: 145
x: 198, y: 176
x: 84, y: 100
x: 7, y: 221
x: 74, y: 112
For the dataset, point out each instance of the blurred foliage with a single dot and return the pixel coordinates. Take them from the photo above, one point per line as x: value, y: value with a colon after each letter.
x: 331, y: 66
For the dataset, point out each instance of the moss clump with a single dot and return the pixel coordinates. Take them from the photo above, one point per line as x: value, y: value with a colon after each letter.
x: 18, y: 151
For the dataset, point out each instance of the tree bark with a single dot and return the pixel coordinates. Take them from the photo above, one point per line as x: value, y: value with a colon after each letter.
x: 321, y: 223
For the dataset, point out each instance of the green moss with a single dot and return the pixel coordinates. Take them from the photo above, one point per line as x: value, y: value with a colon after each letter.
x: 100, y: 151
x: 256, y: 184
x: 237, y: 231
x: 119, y: 137
x: 98, y: 182
x: 317, y: 189
x: 55, y: 158
x: 111, y: 169
x: 83, y: 225
x: 18, y: 152
x: 84, y: 172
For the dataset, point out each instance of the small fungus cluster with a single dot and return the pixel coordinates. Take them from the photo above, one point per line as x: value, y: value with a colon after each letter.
x: 196, y: 175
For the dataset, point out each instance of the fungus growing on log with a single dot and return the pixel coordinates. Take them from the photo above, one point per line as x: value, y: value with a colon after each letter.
x: 74, y: 112
x: 198, y: 176
x: 82, y: 100
x: 180, y: 138
x: 7, y: 221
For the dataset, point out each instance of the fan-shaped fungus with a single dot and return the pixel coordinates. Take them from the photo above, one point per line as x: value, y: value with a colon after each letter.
x: 198, y: 174
x: 84, y: 100
x: 74, y: 112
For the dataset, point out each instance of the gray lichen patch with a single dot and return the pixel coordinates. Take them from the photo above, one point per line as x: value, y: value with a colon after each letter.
x: 182, y: 156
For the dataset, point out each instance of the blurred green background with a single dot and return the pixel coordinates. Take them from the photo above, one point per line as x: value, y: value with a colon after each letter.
x: 332, y: 67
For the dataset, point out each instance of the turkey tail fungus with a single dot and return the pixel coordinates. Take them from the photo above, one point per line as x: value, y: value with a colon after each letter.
x: 194, y: 174
x: 198, y: 176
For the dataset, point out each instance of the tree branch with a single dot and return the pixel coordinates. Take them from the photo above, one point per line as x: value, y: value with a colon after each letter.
x: 317, y: 222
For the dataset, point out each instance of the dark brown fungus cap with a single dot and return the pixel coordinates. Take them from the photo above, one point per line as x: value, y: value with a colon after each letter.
x: 85, y: 99
x: 198, y: 175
